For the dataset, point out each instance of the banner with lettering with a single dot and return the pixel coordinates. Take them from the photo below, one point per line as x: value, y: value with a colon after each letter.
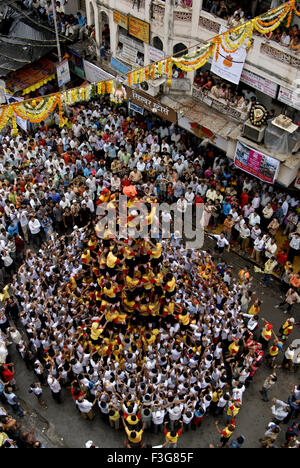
x: 152, y: 105
x: 140, y: 29
x: 255, y: 163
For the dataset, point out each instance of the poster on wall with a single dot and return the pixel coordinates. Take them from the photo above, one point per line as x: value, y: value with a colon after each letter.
x: 139, y: 29
x: 255, y: 163
x: 63, y: 73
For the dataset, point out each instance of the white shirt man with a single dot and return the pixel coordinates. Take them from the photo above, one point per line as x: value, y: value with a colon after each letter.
x: 270, y: 248
x: 285, y: 207
x: 221, y: 240
x: 179, y: 167
x: 295, y: 241
x: 244, y: 230
x: 255, y: 232
x: 54, y: 384
x: 189, y: 196
x: 254, y: 219
x: 84, y: 406
x: 77, y: 129
x: 34, y: 226
x: 182, y: 205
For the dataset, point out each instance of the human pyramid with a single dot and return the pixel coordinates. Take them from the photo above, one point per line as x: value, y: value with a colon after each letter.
x: 143, y: 328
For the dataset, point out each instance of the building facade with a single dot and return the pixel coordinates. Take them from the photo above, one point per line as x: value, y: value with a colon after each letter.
x: 140, y: 32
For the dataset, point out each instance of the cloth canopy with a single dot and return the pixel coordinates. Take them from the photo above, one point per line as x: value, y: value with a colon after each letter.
x: 31, y: 77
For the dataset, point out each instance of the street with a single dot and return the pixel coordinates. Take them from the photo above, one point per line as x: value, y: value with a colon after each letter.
x: 62, y: 425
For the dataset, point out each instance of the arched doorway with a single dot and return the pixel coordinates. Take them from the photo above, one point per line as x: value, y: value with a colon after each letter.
x: 179, y: 50
x: 91, y: 14
x: 157, y: 43
x: 104, y: 29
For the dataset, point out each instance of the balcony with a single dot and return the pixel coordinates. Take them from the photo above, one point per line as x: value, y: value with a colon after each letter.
x: 127, y: 6
x: 158, y: 13
x: 219, y: 104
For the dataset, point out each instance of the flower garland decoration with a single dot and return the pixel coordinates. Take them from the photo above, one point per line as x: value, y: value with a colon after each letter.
x: 5, y: 115
x: 14, y: 130
x: 258, y: 115
x: 36, y: 110
x: 277, y: 18
x: 235, y: 39
x: 264, y: 28
x: 188, y: 63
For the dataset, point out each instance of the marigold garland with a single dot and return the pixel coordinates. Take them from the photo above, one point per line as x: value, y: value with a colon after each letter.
x: 37, y: 110
x: 5, y: 115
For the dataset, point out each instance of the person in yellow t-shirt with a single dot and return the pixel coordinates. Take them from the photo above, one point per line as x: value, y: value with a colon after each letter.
x: 266, y: 334
x: 134, y: 437
x: 255, y: 308
x: 172, y: 436
x: 156, y: 254
x: 226, y: 433
x: 232, y: 410
x: 86, y: 257
x: 234, y: 347
x: 114, y: 417
x: 287, y: 328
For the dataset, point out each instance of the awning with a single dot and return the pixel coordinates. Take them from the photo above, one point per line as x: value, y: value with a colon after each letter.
x: 31, y: 77
x: 187, y: 107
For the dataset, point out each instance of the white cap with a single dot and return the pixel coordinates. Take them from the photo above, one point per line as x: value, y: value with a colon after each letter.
x: 89, y: 443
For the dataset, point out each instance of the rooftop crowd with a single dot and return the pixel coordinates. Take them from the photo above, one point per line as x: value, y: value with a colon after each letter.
x: 150, y: 335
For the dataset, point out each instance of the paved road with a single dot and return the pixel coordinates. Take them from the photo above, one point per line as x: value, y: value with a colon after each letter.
x: 62, y: 425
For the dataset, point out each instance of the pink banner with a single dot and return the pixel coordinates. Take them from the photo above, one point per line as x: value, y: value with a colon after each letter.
x: 257, y: 164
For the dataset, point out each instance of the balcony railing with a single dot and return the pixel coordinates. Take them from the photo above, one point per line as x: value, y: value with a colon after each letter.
x: 280, y: 53
x: 158, y: 11
x: 219, y: 105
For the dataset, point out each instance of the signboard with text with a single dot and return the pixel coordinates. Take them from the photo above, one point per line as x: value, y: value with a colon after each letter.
x: 120, y: 19
x: 63, y: 73
x: 140, y: 29
x: 255, y: 163
x: 291, y: 98
x: 152, y: 105
x: 155, y: 54
x: 261, y: 84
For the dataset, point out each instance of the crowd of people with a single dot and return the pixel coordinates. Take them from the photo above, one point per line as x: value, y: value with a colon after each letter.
x: 72, y: 26
x: 145, y: 332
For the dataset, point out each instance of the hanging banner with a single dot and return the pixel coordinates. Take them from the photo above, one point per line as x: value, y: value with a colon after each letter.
x: 229, y: 65
x: 94, y: 74
x: 22, y: 123
x: 257, y: 164
x: 140, y: 29
x: 63, y: 73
